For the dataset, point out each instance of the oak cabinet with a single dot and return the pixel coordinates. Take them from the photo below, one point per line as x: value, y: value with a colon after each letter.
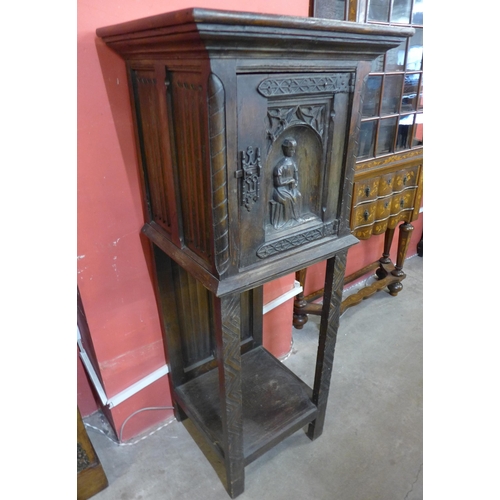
x: 246, y: 131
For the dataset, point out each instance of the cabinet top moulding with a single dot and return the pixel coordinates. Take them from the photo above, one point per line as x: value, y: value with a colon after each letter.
x: 197, y: 29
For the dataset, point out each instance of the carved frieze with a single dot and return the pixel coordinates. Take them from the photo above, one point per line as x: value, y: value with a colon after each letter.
x: 297, y: 239
x: 271, y: 87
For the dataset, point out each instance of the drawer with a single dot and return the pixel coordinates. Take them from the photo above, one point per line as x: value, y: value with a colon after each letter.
x: 386, y: 183
x: 402, y: 201
x: 405, y: 178
x: 364, y: 215
x: 365, y: 191
x: 394, y: 220
x: 384, y: 207
x: 363, y: 233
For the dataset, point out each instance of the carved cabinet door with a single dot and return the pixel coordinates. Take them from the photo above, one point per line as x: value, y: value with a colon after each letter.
x: 290, y: 159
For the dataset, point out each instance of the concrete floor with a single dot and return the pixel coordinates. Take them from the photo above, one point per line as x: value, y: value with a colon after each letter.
x: 371, y: 447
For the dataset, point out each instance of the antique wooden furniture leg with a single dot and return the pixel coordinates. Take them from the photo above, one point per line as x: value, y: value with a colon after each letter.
x: 405, y: 231
x: 385, y: 260
x: 300, y: 317
x: 388, y: 274
x: 302, y: 306
x: 227, y: 334
x: 334, y: 282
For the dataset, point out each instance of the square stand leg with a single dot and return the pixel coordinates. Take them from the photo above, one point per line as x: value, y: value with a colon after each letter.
x: 231, y: 403
x: 332, y: 299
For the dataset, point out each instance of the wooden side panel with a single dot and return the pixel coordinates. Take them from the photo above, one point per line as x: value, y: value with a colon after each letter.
x: 194, y: 308
x: 189, y: 103
x: 157, y: 178
x: 187, y: 310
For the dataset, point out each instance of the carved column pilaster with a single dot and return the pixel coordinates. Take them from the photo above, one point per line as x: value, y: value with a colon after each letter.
x: 217, y: 134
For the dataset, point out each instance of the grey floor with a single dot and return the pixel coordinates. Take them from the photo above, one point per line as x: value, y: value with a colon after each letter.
x: 371, y: 447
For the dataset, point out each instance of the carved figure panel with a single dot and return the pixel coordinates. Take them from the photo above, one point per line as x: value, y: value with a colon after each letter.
x: 293, y: 179
x: 286, y: 205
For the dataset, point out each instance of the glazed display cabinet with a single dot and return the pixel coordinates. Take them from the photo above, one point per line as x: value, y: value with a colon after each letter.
x: 247, y: 129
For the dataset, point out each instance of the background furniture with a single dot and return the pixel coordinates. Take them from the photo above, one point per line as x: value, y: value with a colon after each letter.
x: 384, y: 195
x: 246, y: 127
x: 91, y: 478
x: 388, y: 171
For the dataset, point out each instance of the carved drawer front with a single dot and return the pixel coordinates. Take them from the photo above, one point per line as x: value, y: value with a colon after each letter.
x: 366, y: 191
x: 405, y: 178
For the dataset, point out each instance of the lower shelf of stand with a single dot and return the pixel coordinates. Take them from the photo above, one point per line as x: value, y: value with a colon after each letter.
x: 276, y: 403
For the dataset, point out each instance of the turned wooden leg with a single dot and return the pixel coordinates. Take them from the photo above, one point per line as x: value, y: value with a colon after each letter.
x: 385, y: 259
x: 227, y: 314
x: 332, y: 299
x: 405, y: 231
x: 299, y: 317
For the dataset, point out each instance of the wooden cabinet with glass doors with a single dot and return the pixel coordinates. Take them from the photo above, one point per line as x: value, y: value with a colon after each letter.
x: 387, y: 189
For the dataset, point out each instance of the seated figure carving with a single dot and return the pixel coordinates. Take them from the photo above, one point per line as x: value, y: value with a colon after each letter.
x: 286, y: 204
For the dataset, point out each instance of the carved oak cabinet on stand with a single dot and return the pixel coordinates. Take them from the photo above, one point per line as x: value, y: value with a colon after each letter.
x: 246, y: 129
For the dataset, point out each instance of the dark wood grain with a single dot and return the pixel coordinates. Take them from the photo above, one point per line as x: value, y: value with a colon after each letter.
x: 218, y: 158
x: 332, y: 298
x: 228, y: 335
x: 275, y: 403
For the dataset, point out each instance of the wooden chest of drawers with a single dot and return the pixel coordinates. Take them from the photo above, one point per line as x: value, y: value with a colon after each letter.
x: 383, y: 200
